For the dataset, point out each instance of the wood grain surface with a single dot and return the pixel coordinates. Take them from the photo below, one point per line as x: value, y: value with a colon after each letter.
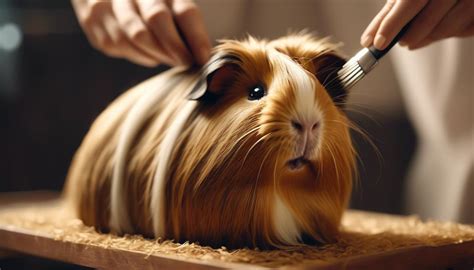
x: 14, y: 238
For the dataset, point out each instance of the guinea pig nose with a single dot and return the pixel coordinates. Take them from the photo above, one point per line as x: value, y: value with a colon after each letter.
x: 305, y: 126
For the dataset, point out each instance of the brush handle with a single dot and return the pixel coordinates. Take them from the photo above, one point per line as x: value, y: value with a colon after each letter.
x: 380, y: 53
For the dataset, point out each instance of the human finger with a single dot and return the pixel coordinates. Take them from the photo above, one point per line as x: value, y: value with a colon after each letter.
x: 101, y: 29
x: 367, y: 37
x: 159, y: 19
x: 426, y: 20
x: 136, y: 31
x: 458, y: 19
x: 191, y: 24
x: 459, y: 22
x: 401, y: 13
x: 87, y: 14
x: 423, y: 43
x: 120, y: 46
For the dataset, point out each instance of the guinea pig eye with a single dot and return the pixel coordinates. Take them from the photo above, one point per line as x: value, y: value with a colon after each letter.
x: 256, y: 92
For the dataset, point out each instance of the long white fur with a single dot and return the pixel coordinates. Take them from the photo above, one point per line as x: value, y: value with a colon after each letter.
x: 158, y: 202
x: 285, y: 224
x: 139, y: 113
x: 307, y: 110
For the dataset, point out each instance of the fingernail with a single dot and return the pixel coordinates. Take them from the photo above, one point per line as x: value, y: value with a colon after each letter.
x: 379, y: 42
x: 366, y: 40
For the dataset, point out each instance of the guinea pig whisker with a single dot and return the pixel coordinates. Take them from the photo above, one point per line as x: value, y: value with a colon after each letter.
x: 244, y: 138
x: 277, y: 135
x: 364, y: 106
x: 333, y: 70
x: 360, y: 112
x: 327, y: 83
x: 365, y: 135
x: 251, y: 148
x: 263, y: 161
x: 320, y: 167
x: 338, y: 97
x: 329, y: 147
x: 254, y: 194
x: 275, y: 182
x: 246, y: 134
x: 273, y: 125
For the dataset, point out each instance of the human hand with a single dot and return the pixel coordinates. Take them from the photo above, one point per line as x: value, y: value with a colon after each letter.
x: 435, y: 20
x: 146, y: 32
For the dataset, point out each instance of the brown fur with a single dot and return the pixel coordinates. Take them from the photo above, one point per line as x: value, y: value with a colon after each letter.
x: 229, y: 160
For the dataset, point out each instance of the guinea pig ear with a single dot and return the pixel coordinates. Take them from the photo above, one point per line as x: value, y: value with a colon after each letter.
x: 215, y: 76
x: 326, y: 68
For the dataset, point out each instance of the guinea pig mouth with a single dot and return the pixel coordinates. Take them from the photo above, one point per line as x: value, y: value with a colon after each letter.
x: 298, y: 162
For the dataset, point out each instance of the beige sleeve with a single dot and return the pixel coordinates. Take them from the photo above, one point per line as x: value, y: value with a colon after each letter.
x: 437, y: 85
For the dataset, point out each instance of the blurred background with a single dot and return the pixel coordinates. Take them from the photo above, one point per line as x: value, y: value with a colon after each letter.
x: 53, y: 84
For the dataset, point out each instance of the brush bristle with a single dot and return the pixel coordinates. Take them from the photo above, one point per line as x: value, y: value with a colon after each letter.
x: 356, y: 68
x: 347, y: 76
x: 350, y: 74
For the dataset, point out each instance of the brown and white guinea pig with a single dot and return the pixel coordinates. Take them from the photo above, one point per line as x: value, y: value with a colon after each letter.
x: 260, y: 156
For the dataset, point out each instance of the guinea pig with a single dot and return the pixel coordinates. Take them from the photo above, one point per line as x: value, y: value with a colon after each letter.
x: 250, y: 150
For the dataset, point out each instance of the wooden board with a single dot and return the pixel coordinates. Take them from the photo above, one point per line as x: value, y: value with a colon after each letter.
x: 25, y: 241
x: 14, y: 237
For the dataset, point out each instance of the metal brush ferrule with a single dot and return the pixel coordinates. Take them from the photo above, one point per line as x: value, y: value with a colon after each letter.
x: 366, y: 60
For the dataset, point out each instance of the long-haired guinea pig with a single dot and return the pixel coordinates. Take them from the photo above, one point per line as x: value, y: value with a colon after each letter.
x: 251, y: 150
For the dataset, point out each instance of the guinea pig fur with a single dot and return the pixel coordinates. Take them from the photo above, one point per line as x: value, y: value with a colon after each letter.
x: 262, y: 157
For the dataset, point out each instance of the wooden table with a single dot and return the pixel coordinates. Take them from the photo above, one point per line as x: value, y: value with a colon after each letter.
x: 25, y: 228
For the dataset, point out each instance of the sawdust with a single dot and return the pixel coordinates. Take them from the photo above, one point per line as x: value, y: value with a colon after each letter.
x: 362, y: 233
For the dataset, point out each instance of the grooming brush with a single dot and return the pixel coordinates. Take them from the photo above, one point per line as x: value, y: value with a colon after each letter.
x: 362, y: 63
